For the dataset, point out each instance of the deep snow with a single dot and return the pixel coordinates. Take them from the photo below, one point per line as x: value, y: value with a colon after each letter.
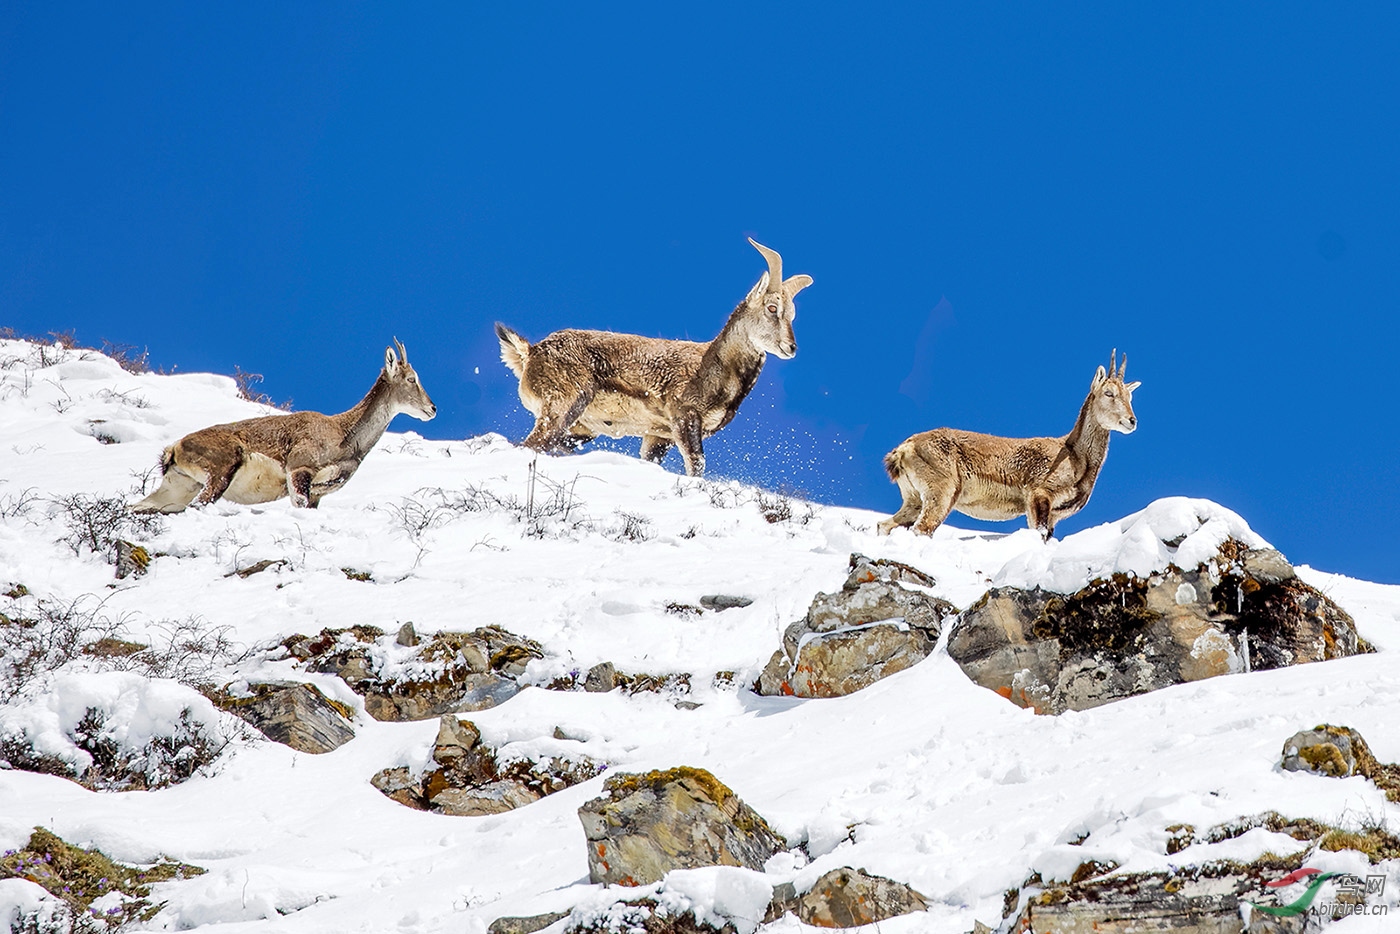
x: 923, y: 777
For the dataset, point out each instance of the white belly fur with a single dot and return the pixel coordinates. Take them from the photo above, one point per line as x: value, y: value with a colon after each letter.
x: 260, y: 480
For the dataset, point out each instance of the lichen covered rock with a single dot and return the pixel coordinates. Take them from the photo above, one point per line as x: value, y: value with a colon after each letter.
x: 294, y: 714
x: 871, y: 628
x: 847, y: 898
x: 1339, y: 752
x: 1125, y: 635
x: 645, y: 825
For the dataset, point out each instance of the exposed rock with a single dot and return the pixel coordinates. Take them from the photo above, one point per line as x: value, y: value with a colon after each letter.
x: 132, y: 560
x: 601, y: 678
x: 407, y: 636
x: 645, y: 825
x: 257, y: 567
x: 467, y: 780
x: 294, y: 714
x: 1194, y: 900
x: 1336, y: 751
x: 453, y: 672
x: 847, y: 898
x: 870, y: 629
x: 866, y: 570
x: 455, y: 739
x: 1127, y: 635
x: 1339, y: 751
x: 723, y: 601
x: 420, y: 700
x: 491, y: 798
x: 525, y: 925
x: 402, y: 785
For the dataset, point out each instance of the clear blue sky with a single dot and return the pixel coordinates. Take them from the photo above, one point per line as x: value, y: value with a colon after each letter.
x: 990, y: 198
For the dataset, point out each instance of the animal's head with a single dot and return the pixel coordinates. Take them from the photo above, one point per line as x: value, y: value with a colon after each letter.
x: 1111, y: 399
x: 769, y: 310
x: 405, y: 391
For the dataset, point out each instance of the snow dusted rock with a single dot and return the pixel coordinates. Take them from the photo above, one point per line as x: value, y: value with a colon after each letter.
x: 468, y: 779
x: 525, y: 925
x: 647, y: 916
x: 294, y: 714
x: 847, y: 898
x: 453, y: 672
x: 114, y: 731
x: 870, y: 629
x: 646, y: 825
x: 1242, y: 609
x: 728, y: 899
x: 1193, y: 900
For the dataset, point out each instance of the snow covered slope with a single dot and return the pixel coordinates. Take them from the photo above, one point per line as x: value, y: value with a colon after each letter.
x: 923, y: 777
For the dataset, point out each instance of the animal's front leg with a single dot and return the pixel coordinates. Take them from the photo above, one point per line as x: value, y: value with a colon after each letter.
x: 299, y: 487
x: 687, y: 432
x: 330, y: 480
x: 654, y: 448
x: 1038, y: 514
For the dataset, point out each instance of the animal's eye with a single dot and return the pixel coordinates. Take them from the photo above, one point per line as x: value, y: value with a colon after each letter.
x: 1109, y: 393
x: 412, y: 378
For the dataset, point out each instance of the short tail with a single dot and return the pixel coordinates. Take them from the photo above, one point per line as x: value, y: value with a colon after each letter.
x: 894, y: 463
x: 515, y: 350
x: 167, y: 460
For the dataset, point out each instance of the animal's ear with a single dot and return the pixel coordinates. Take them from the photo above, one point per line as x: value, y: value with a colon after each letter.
x: 796, y: 284
x: 1133, y: 385
x: 1100, y: 376
x: 759, y: 288
x: 391, y: 360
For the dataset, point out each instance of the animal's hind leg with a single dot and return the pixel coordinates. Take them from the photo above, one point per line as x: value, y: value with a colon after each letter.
x: 908, y: 511
x: 554, y: 421
x: 937, y: 488
x: 220, y: 476
x: 654, y: 448
x: 177, y: 489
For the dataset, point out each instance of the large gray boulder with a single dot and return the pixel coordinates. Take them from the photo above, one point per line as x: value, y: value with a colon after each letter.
x: 294, y: 714
x: 645, y: 825
x: 871, y: 628
x: 1124, y: 635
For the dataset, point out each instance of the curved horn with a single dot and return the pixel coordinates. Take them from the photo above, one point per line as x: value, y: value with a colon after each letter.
x: 403, y: 351
x: 1123, y: 368
x: 1113, y: 363
x: 775, y: 264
